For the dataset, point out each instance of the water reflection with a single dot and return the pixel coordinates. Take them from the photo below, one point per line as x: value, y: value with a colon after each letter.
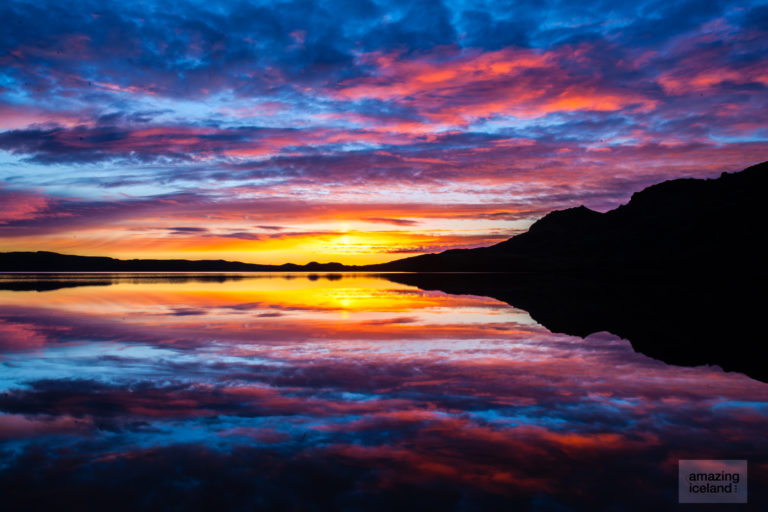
x: 342, y: 392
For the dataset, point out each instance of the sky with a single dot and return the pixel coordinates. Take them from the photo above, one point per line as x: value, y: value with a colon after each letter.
x: 358, y: 131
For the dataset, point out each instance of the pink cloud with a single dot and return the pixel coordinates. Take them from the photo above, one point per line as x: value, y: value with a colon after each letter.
x: 453, y: 89
x: 20, y: 204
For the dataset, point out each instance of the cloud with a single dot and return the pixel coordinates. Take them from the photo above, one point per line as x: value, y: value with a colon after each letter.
x: 396, y: 222
x: 457, y: 88
x: 185, y: 230
x: 20, y: 204
x: 537, y: 107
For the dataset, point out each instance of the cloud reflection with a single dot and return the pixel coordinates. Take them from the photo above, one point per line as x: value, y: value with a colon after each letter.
x: 355, y: 391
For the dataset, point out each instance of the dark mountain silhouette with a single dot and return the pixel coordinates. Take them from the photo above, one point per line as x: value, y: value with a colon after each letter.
x: 681, y: 225
x: 53, y: 262
x: 686, y: 320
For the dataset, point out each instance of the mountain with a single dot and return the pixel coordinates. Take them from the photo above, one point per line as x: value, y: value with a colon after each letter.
x: 42, y: 261
x: 679, y: 225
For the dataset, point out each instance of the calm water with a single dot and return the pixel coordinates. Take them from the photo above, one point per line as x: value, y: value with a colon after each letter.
x: 342, y: 393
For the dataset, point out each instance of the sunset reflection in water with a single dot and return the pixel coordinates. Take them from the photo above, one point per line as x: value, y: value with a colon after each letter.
x: 343, y: 392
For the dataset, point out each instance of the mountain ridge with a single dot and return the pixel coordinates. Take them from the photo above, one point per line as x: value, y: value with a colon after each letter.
x: 686, y: 224
x: 677, y: 224
x: 45, y: 261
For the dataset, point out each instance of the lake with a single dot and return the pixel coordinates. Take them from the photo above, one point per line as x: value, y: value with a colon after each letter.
x: 341, y: 392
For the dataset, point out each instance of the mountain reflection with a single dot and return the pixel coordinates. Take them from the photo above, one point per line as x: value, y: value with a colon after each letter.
x: 342, y: 392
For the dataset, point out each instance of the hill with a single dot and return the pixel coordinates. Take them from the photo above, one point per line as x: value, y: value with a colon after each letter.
x: 685, y: 224
x: 42, y: 261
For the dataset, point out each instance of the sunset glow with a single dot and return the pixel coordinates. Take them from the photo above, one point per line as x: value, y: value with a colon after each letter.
x: 294, y: 132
